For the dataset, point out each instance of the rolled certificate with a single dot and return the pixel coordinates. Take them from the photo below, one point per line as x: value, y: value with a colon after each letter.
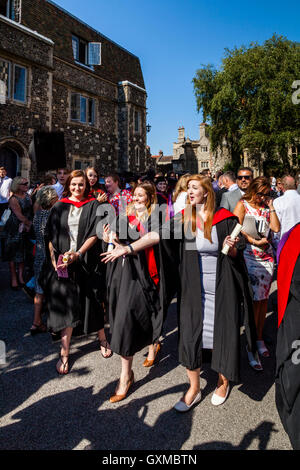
x: 235, y: 232
x: 110, y: 243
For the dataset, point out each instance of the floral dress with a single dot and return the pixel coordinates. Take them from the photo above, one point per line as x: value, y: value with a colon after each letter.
x: 120, y: 200
x: 259, y: 261
x: 17, y: 245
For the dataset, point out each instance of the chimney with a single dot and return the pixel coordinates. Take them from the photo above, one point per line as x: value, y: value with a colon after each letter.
x: 203, y: 129
x: 160, y: 153
x: 181, y: 135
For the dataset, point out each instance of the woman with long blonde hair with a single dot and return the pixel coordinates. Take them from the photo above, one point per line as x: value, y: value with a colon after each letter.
x: 212, y: 288
x: 134, y: 286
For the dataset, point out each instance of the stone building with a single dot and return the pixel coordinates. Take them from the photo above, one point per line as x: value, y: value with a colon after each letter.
x: 194, y: 156
x: 57, y: 74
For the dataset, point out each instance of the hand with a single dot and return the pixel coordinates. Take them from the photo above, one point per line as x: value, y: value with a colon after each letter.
x: 72, y: 256
x: 269, y: 202
x: 102, y: 197
x: 106, y: 233
x: 261, y: 243
x: 231, y: 243
x: 119, y: 250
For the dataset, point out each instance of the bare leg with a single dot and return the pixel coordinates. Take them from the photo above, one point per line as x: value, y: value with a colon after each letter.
x: 104, y: 344
x: 194, y: 378
x: 20, y: 273
x: 13, y: 274
x: 38, y: 304
x: 66, y: 334
x: 261, y: 318
x: 223, y: 383
x: 126, y: 372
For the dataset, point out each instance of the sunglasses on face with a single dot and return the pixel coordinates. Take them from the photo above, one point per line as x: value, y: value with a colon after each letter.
x: 264, y: 194
x: 24, y: 184
x: 245, y: 177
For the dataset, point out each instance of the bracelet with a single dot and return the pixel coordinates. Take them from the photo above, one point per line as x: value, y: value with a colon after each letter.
x: 273, y: 210
x: 130, y: 248
x: 79, y: 254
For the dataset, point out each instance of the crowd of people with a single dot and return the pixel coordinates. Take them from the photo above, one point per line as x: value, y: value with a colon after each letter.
x: 108, y: 248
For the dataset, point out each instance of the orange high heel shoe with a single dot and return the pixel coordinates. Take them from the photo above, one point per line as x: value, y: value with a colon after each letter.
x: 148, y: 363
x: 115, y: 398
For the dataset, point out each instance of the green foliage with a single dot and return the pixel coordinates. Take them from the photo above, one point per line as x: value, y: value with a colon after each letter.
x: 248, y: 102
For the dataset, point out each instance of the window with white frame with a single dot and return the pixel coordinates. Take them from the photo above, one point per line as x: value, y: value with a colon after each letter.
x: 11, y: 9
x: 13, y: 78
x: 86, y: 53
x: 137, y: 121
x: 203, y: 149
x: 204, y: 164
x: 82, y: 109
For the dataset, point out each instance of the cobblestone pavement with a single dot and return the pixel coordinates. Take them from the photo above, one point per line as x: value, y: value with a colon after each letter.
x: 41, y: 410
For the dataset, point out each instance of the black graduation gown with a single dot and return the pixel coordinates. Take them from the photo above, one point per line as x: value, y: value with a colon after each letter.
x: 135, y: 304
x: 233, y: 294
x: 75, y: 301
x: 287, y: 382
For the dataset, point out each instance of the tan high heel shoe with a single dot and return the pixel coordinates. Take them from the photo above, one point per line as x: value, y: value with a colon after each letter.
x: 116, y: 397
x: 148, y: 363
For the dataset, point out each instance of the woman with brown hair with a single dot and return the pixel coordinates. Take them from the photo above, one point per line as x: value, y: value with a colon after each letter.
x: 212, y: 288
x: 95, y: 187
x: 257, y: 214
x: 70, y: 278
x: 134, y: 286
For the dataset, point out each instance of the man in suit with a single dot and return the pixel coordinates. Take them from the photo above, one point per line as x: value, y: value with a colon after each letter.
x: 235, y: 191
x: 220, y: 191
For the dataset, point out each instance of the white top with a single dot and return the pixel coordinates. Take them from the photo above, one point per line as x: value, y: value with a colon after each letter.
x: 233, y: 187
x: 73, y: 223
x: 59, y: 188
x: 5, y: 184
x: 180, y: 202
x: 288, y: 210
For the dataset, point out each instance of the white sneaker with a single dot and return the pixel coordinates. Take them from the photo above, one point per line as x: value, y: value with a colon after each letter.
x: 217, y: 400
x: 182, y: 407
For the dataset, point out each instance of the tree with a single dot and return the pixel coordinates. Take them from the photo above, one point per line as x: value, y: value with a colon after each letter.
x: 248, y: 102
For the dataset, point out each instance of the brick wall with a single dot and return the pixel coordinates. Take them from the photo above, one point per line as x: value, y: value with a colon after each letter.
x: 53, y: 22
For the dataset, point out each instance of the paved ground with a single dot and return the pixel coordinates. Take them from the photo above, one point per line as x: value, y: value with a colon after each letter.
x: 41, y: 410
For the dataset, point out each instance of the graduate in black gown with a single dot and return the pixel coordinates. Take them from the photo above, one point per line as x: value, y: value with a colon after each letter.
x: 73, y: 285
x: 287, y: 380
x: 233, y: 291
x: 134, y: 286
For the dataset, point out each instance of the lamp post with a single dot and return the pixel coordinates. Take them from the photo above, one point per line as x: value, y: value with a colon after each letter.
x: 148, y: 128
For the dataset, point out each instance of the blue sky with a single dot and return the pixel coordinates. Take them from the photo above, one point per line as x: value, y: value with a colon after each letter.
x: 174, y: 38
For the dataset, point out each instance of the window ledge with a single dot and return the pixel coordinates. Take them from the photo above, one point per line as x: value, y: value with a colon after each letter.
x: 88, y: 67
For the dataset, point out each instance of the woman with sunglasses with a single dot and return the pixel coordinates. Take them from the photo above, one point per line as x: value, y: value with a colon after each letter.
x: 16, y: 230
x: 256, y: 212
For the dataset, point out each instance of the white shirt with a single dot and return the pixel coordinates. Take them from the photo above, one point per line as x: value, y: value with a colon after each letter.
x: 5, y: 184
x: 73, y: 223
x: 59, y: 188
x: 233, y: 187
x: 288, y: 210
x: 180, y: 202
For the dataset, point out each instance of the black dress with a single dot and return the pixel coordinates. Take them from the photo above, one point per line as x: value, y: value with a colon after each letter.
x: 77, y: 300
x: 136, y: 303
x: 233, y: 294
